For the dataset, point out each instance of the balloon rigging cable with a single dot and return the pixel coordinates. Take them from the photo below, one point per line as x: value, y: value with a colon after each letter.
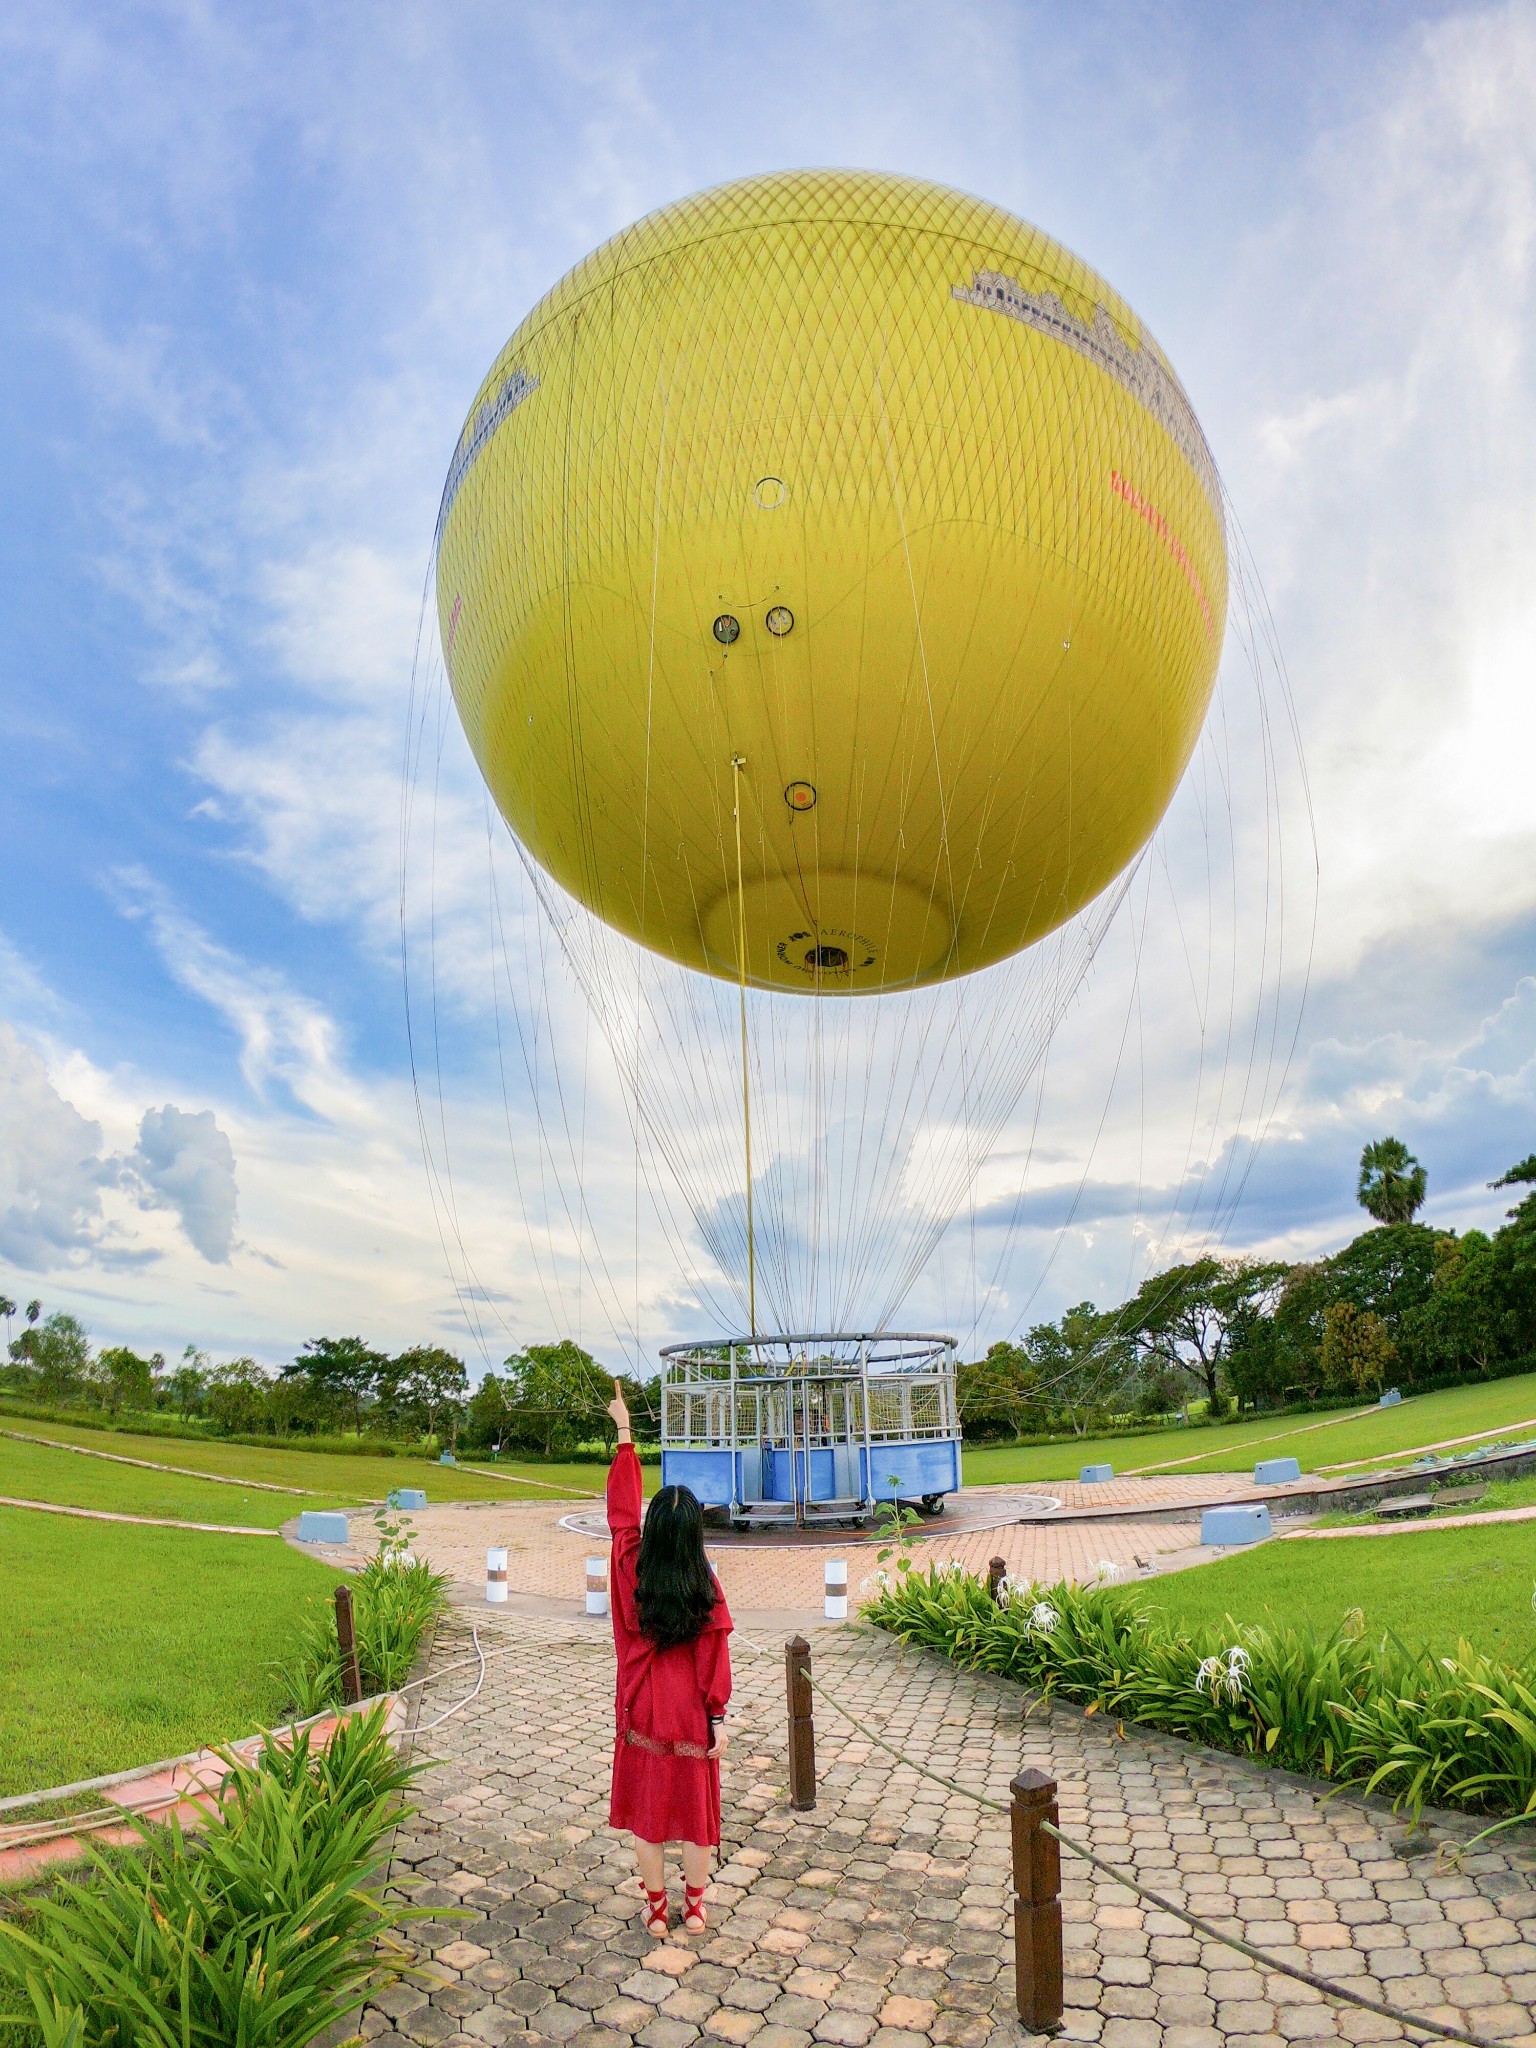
x: 664, y: 1030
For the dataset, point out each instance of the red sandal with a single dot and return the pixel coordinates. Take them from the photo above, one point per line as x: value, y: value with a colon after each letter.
x: 655, y: 1914
x: 695, y: 1920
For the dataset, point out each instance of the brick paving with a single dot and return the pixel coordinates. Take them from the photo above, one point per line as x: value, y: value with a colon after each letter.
x: 544, y: 1559
x: 880, y: 1919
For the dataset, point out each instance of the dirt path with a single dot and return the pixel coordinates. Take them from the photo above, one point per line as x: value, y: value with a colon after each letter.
x: 50, y: 1507
x: 1419, y: 1528
x: 53, y: 1443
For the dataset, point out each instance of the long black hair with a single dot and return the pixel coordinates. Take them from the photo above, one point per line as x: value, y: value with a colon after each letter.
x: 674, y: 1592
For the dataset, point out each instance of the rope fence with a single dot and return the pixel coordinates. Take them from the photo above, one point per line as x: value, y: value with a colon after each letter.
x: 1037, y: 1840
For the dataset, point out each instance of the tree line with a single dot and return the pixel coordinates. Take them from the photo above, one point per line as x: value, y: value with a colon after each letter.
x: 548, y: 1398
x: 1403, y: 1304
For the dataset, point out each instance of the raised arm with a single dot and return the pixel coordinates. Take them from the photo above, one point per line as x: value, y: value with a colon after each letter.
x: 625, y: 1494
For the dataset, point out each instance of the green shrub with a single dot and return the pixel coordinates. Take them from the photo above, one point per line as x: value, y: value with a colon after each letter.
x: 258, y: 1931
x: 1456, y: 1731
x: 396, y: 1598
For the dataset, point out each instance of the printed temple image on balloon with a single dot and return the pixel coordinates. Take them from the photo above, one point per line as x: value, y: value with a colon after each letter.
x: 832, y: 582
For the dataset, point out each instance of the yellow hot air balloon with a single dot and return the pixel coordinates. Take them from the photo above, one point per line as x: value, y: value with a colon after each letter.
x: 832, y: 577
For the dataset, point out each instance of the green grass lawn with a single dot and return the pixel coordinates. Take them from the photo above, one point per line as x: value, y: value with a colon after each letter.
x: 1333, y: 1439
x: 1430, y: 1589
x: 29, y: 1472
x: 123, y: 1645
x: 329, y: 1478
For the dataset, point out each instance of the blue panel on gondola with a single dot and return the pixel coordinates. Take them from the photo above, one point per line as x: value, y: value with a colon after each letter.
x: 911, y: 1471
x: 706, y: 1474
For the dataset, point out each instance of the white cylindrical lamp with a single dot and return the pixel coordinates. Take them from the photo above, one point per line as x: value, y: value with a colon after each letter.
x: 597, y: 1585
x: 835, y: 1588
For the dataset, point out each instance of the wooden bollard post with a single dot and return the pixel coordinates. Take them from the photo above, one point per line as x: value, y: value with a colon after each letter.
x: 1036, y: 1903
x: 802, y: 1731
x: 346, y: 1637
x: 997, y: 1571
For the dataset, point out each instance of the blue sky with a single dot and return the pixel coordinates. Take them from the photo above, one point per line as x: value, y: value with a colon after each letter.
x: 258, y: 261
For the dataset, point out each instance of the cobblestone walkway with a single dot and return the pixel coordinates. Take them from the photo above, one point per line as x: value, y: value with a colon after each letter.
x: 879, y: 1920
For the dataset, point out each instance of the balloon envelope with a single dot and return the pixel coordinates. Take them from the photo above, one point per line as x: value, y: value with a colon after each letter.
x: 832, y: 563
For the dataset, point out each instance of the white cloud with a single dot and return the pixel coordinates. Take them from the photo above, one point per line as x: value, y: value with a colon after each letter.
x: 184, y: 1162
x: 1383, y: 331
x: 344, y: 621
x: 140, y: 376
x: 1487, y: 764
x: 51, y: 1170
x: 61, y: 1190
x: 315, y: 803
x: 23, y: 990
x: 283, y: 1035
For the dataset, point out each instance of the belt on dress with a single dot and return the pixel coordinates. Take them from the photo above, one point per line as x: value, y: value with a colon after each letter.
x: 652, y: 1747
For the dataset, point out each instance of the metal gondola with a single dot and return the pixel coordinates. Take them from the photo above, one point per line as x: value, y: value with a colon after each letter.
x: 819, y: 1428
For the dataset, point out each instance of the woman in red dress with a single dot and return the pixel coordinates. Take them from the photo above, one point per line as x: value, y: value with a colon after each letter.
x: 670, y: 1630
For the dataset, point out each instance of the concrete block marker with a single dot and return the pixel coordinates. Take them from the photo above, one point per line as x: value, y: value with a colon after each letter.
x: 496, y: 1577
x: 835, y: 1589
x: 1392, y: 1398
x: 407, y: 1497
x: 1234, y: 1525
x: 317, y: 1525
x: 597, y: 1585
x: 1276, y: 1471
x: 447, y: 1458
x: 1095, y: 1475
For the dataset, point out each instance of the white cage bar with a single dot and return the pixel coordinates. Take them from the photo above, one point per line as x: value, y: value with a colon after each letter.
x: 814, y: 1428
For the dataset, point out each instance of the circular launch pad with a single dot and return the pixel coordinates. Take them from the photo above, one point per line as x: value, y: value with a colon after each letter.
x: 989, y: 1508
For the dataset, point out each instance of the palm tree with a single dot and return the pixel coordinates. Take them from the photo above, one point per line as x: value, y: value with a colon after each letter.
x: 7, y: 1309
x: 34, y: 1310
x: 1392, y: 1182
x: 1521, y: 1176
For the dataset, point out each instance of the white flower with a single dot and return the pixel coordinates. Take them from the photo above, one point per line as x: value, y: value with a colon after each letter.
x: 1108, y: 1569
x: 951, y: 1568
x: 878, y: 1581
x: 1043, y: 1616
x: 1224, y: 1674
